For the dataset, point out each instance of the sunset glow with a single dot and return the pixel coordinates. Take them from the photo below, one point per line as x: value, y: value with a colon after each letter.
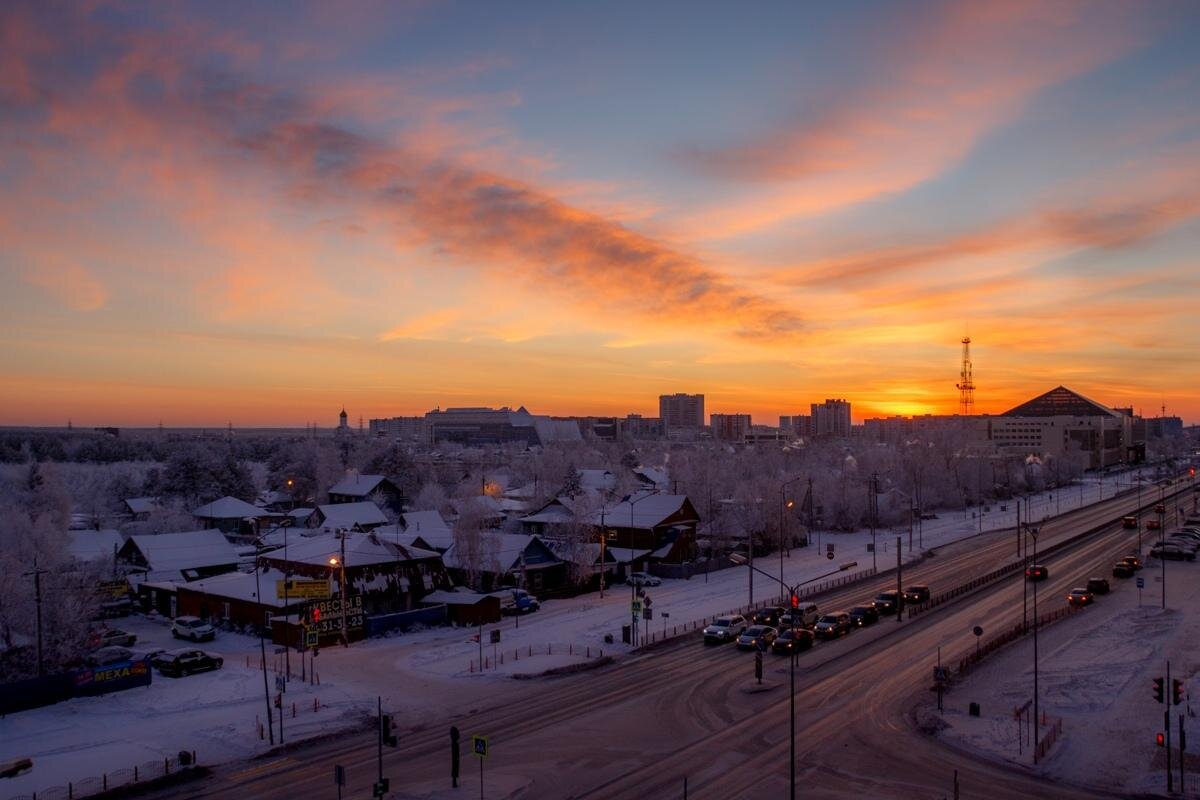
x: 212, y: 213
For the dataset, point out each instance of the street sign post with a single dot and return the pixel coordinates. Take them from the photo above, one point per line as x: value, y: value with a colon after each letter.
x: 479, y: 746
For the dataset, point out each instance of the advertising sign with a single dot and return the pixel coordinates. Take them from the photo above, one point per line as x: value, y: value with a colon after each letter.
x: 326, y: 615
x: 302, y: 589
x: 112, y: 677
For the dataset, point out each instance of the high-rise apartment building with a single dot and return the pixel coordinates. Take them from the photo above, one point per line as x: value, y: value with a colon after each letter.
x: 831, y: 418
x: 730, y: 427
x: 681, y: 412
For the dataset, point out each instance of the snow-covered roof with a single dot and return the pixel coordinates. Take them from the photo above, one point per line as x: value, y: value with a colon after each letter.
x: 347, y: 515
x: 498, y: 552
x: 171, y: 552
x: 556, y: 430
x: 91, y: 545
x: 362, y: 549
x: 228, y: 508
x: 626, y: 555
x: 558, y: 511
x: 643, y: 511
x: 430, y: 526
x: 597, y: 479
x: 354, y: 485
x: 653, y: 475
x: 454, y: 597
x: 241, y: 586
x: 141, y: 505
x: 301, y: 513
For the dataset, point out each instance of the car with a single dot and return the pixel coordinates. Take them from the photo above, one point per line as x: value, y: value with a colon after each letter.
x: 1195, y: 537
x: 1152, y: 525
x: 1037, y: 572
x: 861, y: 616
x: 108, y: 655
x: 181, y: 663
x: 643, y: 579
x: 831, y: 626
x: 1179, y: 541
x: 725, y: 629
x: 108, y: 637
x: 1098, y: 585
x: 1129, y: 522
x: 804, y: 614
x: 1171, y: 552
x: 1080, y: 596
x: 792, y: 641
x: 1133, y: 561
x: 192, y: 628
x: 1160, y: 508
x: 14, y: 767
x: 917, y: 593
x: 1121, y: 569
x: 518, y: 601
x: 769, y: 616
x: 887, y: 602
x: 757, y: 637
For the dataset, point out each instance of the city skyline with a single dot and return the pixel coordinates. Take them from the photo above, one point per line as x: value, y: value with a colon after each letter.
x: 215, y: 214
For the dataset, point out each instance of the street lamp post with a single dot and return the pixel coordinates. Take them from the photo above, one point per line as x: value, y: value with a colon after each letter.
x: 792, y: 595
x: 783, y: 503
x: 262, y: 649
x: 1034, y: 533
x: 633, y: 584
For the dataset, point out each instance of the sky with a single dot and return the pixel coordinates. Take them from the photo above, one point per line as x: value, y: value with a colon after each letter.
x: 260, y: 213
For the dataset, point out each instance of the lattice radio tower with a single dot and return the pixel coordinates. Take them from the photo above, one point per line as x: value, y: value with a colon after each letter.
x: 966, y: 384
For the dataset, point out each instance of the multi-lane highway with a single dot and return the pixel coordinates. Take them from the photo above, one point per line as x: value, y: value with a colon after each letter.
x: 639, y: 728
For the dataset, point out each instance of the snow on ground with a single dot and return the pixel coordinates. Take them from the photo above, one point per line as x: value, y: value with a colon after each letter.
x: 1095, y: 673
x: 216, y: 713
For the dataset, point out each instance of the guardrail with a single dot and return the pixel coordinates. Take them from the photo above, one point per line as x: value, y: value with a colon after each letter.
x: 1052, y: 736
x: 496, y: 659
x: 782, y: 599
x: 87, y: 787
x: 972, y: 657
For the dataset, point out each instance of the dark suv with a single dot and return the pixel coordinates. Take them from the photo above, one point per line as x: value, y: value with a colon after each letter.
x: 1097, y: 586
x: 180, y: 663
x: 1037, y: 572
x: 792, y: 641
x: 887, y: 602
x: 917, y: 593
x: 768, y: 616
x: 861, y: 616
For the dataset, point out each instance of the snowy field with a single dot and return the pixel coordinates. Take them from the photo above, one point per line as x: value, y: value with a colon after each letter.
x: 217, y: 714
x: 1095, y: 673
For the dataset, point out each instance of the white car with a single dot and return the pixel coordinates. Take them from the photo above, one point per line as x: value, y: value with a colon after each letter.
x: 643, y: 579
x: 725, y: 629
x: 192, y: 628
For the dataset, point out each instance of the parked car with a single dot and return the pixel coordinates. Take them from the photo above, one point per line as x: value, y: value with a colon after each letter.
x: 861, y: 616
x: 1121, y: 569
x: 725, y: 629
x: 643, y: 579
x: 887, y: 602
x: 108, y: 637
x: 1195, y: 537
x: 769, y: 616
x: 805, y: 616
x: 192, y: 628
x: 1133, y: 561
x: 1037, y: 572
x: 1171, y: 552
x: 14, y: 767
x: 181, y: 663
x: 789, y: 641
x: 1080, y: 596
x: 1098, y: 585
x: 831, y: 626
x: 108, y: 655
x: 757, y: 637
x: 917, y: 593
x: 518, y: 601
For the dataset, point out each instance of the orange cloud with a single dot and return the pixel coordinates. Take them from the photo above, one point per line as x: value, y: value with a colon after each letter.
x: 945, y: 77
x: 71, y: 284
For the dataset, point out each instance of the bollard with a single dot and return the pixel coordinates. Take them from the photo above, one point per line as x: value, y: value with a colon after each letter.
x: 166, y: 766
x: 135, y: 777
x: 293, y: 710
x: 472, y: 666
x: 531, y: 651
x: 589, y: 652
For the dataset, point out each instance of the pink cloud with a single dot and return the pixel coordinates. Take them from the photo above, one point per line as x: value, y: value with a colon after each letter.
x: 72, y: 284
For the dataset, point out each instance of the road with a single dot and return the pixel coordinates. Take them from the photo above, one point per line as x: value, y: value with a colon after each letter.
x: 640, y: 727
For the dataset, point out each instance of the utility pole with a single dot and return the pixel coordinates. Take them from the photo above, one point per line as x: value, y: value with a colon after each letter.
x: 1162, y: 524
x: 899, y: 590
x: 37, y: 573
x: 1167, y: 727
x: 1036, y: 721
x: 262, y: 651
x: 871, y: 501
x: 342, y: 581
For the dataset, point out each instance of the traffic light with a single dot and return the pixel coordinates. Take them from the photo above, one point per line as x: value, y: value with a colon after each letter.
x: 316, y: 615
x: 1176, y: 691
x: 1158, y: 689
x: 385, y: 731
x: 795, y: 600
x: 1160, y: 740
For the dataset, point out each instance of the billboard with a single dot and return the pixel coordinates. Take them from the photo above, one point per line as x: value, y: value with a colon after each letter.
x: 111, y: 677
x: 326, y: 615
x: 302, y: 589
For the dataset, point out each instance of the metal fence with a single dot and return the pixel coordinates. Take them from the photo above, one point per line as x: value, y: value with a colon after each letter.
x: 669, y: 631
x: 87, y: 787
x: 1052, y: 736
x: 495, y: 658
